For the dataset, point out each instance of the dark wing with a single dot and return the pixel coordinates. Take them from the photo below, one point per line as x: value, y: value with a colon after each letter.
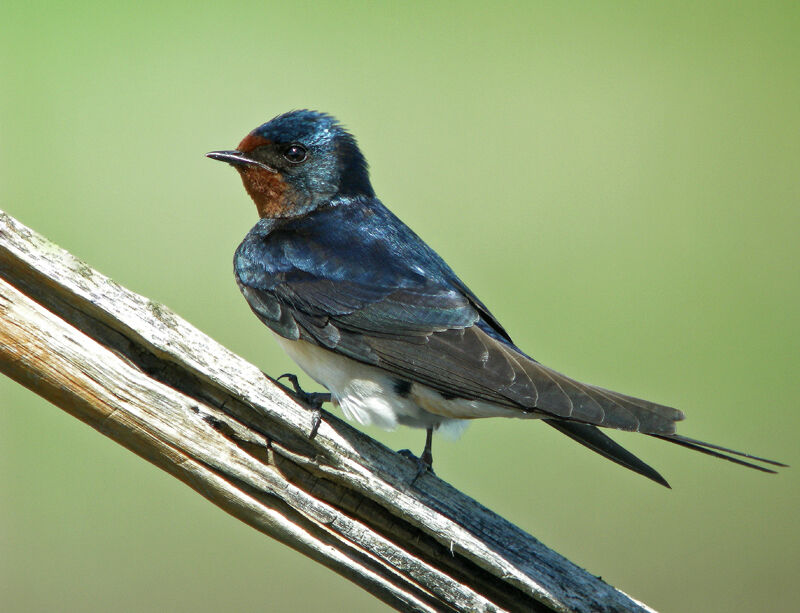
x: 363, y: 285
x: 434, y: 334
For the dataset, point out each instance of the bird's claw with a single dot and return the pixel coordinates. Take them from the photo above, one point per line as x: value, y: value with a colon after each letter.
x: 292, y: 379
x: 424, y: 463
x: 316, y: 420
x: 314, y: 400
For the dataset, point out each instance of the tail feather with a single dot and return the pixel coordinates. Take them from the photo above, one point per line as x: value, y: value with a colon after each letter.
x: 725, y: 449
x: 593, y: 438
x: 715, y: 451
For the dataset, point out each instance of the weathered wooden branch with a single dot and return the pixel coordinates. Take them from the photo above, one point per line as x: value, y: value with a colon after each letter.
x: 142, y: 376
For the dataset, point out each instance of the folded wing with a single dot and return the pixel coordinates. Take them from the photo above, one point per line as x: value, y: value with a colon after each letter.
x: 436, y: 336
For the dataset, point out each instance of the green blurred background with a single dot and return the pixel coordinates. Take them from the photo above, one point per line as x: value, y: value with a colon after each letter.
x: 619, y: 182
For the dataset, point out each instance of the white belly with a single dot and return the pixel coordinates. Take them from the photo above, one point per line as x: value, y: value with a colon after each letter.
x: 369, y: 395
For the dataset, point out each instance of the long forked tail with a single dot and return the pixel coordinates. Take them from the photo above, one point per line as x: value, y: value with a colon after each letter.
x: 714, y: 450
x: 593, y: 438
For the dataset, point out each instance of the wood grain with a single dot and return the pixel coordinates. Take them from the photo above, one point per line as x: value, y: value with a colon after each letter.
x: 144, y: 377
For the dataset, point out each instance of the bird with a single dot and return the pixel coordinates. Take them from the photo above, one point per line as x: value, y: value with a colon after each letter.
x: 373, y: 314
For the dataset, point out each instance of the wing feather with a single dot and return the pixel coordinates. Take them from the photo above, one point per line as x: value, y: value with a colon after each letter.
x: 390, y: 301
x: 407, y: 334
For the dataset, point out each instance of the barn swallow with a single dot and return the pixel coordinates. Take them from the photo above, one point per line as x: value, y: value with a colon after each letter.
x: 372, y: 313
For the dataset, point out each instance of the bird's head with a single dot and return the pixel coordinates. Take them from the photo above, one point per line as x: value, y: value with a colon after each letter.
x: 298, y: 162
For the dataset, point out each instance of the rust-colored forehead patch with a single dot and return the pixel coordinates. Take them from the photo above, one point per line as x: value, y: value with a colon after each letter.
x: 252, y: 141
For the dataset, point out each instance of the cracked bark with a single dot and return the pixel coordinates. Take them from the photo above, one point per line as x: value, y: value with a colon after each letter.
x: 141, y: 375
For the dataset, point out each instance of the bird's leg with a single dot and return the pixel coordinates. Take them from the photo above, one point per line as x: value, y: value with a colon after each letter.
x: 425, y: 460
x: 427, y: 453
x: 312, y: 399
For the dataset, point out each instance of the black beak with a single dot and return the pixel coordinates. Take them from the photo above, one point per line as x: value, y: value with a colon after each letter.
x: 237, y: 158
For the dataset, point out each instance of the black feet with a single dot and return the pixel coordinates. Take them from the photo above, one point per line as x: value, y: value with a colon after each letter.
x: 425, y: 460
x: 313, y: 399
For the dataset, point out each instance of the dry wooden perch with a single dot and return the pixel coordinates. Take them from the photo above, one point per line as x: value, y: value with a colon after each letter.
x: 141, y: 375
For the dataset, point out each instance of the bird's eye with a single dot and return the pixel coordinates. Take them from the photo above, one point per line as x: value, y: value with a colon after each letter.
x: 295, y: 153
